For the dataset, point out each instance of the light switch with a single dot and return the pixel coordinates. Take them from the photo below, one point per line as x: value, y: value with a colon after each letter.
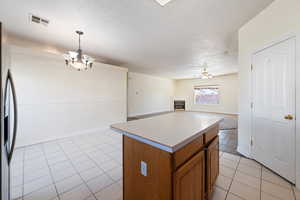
x: 143, y: 168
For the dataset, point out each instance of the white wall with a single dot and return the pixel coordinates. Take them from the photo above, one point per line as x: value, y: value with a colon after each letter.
x: 149, y: 94
x: 55, y: 101
x: 279, y: 19
x: 228, y: 85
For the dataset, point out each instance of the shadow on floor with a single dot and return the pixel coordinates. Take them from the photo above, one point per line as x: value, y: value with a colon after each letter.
x: 228, y: 141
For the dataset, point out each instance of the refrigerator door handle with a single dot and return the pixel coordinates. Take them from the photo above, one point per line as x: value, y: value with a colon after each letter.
x: 15, y: 126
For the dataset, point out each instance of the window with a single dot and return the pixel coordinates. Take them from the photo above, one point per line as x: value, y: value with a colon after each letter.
x: 206, y: 95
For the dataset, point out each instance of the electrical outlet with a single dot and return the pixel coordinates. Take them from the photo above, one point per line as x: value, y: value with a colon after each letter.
x: 143, y: 168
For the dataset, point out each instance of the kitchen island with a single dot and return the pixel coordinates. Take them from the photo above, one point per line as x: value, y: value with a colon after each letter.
x: 173, y: 156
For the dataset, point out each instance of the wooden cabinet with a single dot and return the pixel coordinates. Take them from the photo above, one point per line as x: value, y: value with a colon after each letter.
x: 157, y: 185
x: 212, y: 166
x: 187, y: 174
x: 189, y: 179
x: 187, y: 152
x: 211, y: 134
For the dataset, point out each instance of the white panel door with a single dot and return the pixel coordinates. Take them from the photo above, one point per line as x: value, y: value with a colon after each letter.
x: 273, y: 113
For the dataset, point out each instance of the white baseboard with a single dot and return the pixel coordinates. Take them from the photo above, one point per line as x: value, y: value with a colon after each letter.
x: 244, y: 152
x: 77, y: 133
x: 152, y: 113
x: 225, y: 113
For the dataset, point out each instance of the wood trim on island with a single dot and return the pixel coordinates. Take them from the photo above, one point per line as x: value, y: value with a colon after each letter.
x: 187, y: 152
x: 212, y: 166
x: 187, y: 174
x: 158, y: 182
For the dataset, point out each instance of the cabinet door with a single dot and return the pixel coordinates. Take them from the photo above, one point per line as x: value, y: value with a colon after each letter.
x: 189, y: 180
x: 212, y: 166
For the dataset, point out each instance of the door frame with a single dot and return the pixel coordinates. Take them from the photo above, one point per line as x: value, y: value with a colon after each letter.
x: 297, y: 98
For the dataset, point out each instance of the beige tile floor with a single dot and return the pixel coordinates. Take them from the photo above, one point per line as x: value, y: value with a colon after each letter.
x: 245, y: 179
x: 85, y: 167
x: 89, y: 167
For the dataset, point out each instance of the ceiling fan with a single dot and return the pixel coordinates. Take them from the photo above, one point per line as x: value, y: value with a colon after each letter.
x: 204, y: 73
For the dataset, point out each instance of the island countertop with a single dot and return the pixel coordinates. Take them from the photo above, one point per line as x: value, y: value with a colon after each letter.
x: 168, y: 132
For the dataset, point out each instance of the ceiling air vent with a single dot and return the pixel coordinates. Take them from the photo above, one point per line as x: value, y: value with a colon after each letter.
x: 38, y: 20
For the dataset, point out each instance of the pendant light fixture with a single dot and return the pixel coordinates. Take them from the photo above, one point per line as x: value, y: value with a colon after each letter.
x: 77, y: 59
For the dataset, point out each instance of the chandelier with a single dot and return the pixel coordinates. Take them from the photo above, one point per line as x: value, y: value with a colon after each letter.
x: 204, y: 73
x: 77, y: 60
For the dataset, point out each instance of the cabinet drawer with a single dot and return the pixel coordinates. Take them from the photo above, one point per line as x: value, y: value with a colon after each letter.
x: 211, y: 134
x: 185, y: 153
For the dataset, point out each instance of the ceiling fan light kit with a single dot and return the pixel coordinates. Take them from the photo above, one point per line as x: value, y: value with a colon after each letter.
x: 163, y: 2
x: 204, y: 73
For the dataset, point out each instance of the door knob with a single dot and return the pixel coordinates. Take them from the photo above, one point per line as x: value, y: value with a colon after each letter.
x: 288, y: 117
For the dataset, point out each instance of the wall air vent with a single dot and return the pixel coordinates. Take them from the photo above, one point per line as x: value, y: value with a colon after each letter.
x: 38, y: 20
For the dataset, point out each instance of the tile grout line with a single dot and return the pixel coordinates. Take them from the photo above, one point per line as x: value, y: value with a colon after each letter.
x: 84, y: 152
x: 43, y: 155
x: 248, y: 174
x: 78, y: 173
x: 21, y: 185
x: 106, y: 154
x: 50, y: 171
x: 43, y: 149
x: 260, y: 186
x: 104, y: 172
x: 31, y: 182
x: 23, y: 174
x: 70, y: 188
x: 276, y: 184
x: 261, y: 181
x: 294, y: 192
x: 232, y: 177
x: 35, y: 179
x: 113, y: 181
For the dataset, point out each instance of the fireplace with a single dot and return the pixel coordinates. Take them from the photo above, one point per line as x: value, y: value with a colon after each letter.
x: 179, y: 105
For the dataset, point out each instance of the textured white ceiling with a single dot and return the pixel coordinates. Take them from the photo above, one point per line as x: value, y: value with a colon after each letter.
x: 168, y: 41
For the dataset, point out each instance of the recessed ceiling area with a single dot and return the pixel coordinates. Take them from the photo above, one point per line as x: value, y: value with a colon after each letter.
x: 169, y: 41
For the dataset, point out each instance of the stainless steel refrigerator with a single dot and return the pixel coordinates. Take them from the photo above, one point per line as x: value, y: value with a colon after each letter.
x: 8, y: 108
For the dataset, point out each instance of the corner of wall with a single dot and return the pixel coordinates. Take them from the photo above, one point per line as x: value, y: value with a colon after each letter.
x: 148, y: 94
x: 245, y: 152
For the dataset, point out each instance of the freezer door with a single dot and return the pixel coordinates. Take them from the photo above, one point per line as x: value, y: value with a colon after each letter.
x: 4, y: 140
